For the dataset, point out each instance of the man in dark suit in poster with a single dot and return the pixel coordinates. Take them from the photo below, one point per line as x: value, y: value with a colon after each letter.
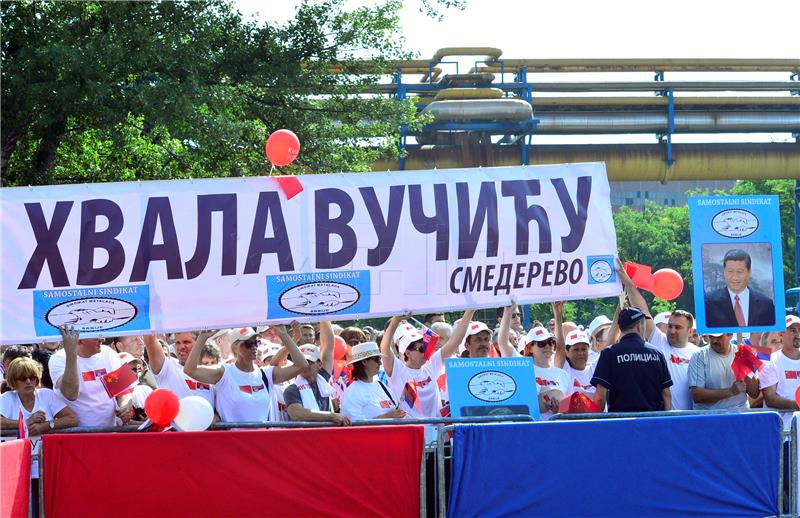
x: 736, y: 305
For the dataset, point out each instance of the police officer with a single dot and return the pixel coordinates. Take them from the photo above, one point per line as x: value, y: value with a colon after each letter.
x: 632, y: 375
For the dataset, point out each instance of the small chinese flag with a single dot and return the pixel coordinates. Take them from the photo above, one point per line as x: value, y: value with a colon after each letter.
x: 577, y: 403
x: 120, y: 381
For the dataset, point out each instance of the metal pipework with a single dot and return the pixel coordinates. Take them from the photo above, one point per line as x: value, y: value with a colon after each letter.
x: 480, y: 110
x: 581, y: 123
x: 739, y: 161
x: 645, y: 65
x: 490, y: 52
x: 638, y: 86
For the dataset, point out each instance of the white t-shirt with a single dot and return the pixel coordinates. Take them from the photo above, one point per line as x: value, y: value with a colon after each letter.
x: 47, y: 401
x: 678, y: 364
x: 417, y: 389
x: 581, y: 380
x: 785, y: 373
x: 93, y: 406
x: 551, y: 378
x: 242, y: 396
x: 362, y: 400
x: 171, y: 376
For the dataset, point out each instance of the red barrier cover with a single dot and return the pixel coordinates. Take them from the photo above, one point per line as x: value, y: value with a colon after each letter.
x: 15, y: 483
x: 360, y: 471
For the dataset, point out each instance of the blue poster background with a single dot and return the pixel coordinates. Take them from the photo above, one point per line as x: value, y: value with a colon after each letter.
x: 492, y: 386
x: 750, y: 223
x: 322, y: 293
x: 99, y: 311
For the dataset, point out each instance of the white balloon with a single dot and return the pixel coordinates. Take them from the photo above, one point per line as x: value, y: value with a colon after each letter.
x: 195, y: 415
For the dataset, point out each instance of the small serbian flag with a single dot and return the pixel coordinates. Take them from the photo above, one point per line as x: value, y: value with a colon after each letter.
x: 429, y: 341
x: 762, y: 353
x: 93, y: 375
x: 22, y: 429
x: 411, y: 397
x: 745, y: 363
x: 120, y: 381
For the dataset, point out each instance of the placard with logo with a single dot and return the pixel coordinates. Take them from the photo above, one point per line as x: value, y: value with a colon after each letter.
x: 737, y: 263
x: 492, y: 387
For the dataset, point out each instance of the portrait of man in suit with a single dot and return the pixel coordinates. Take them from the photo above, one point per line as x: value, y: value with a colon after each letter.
x: 738, y: 305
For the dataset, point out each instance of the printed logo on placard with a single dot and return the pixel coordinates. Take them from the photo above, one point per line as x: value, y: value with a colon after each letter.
x: 492, y: 386
x: 734, y: 223
x: 319, y: 298
x: 601, y: 269
x: 92, y: 314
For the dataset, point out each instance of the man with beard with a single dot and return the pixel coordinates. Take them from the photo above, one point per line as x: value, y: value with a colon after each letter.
x: 781, y: 375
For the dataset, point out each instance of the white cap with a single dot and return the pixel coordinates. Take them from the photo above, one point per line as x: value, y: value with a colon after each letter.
x: 268, y: 349
x: 576, y: 337
x: 662, y: 318
x: 406, y: 335
x: 477, y: 327
x: 241, y: 334
x: 792, y: 320
x: 311, y: 352
x: 127, y: 358
x: 261, y: 329
x: 538, y: 334
x: 597, y: 323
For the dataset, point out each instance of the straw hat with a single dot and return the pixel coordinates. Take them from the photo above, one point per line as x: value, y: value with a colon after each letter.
x: 363, y: 351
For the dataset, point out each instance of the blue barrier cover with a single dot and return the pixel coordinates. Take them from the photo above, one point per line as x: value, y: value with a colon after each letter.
x: 714, y: 465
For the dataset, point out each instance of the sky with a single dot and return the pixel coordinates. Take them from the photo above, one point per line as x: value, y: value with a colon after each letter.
x: 600, y: 29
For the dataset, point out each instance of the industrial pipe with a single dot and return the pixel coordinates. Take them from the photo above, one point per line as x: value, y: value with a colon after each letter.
x: 638, y: 86
x: 480, y: 110
x: 739, y: 161
x: 646, y: 65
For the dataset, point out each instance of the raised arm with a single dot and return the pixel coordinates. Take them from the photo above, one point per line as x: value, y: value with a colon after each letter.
x: 69, y: 384
x: 613, y: 331
x: 502, y: 336
x: 202, y: 373
x: 326, y: 345
x: 281, y: 374
x: 387, y: 351
x: 636, y: 299
x: 561, y: 348
x: 460, y: 331
x: 155, y: 354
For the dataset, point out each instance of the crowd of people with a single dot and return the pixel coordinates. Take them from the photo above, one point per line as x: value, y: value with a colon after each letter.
x: 632, y: 362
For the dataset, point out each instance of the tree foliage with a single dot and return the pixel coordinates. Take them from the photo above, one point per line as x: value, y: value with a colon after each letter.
x: 100, y: 91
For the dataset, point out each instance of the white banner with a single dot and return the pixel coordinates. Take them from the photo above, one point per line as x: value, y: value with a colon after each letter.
x: 125, y: 258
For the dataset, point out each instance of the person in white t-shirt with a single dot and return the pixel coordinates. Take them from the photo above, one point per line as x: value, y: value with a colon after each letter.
x: 310, y: 397
x: 780, y: 377
x: 411, y: 377
x: 552, y: 383
x: 168, y: 371
x: 367, y: 397
x: 244, y: 392
x: 674, y: 343
x: 76, y: 370
x: 41, y: 409
x: 573, y: 356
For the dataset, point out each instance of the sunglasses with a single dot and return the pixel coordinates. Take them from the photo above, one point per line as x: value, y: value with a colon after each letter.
x: 545, y: 343
x: 250, y: 343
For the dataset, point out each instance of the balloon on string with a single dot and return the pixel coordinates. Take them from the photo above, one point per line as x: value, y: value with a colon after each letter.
x: 282, y: 147
x: 797, y: 396
x: 195, y: 414
x: 667, y: 284
x: 339, y: 348
x: 161, y: 406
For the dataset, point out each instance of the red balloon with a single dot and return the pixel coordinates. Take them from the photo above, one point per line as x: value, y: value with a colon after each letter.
x: 797, y: 396
x: 338, y: 366
x: 282, y: 147
x: 161, y: 406
x: 667, y: 284
x: 339, y: 348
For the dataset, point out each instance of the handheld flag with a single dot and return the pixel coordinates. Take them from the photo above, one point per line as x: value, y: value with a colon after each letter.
x: 22, y: 429
x: 429, y: 341
x: 120, y: 381
x: 745, y: 363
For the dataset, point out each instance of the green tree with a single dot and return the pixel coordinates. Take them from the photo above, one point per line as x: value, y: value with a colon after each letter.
x: 99, y: 91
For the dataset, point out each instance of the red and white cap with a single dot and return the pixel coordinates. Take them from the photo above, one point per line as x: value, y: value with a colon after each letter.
x: 576, y: 337
x: 538, y: 334
x: 311, y: 352
x: 267, y: 349
x: 405, y: 335
x: 128, y: 358
x: 662, y: 318
x: 792, y: 320
x: 477, y: 327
